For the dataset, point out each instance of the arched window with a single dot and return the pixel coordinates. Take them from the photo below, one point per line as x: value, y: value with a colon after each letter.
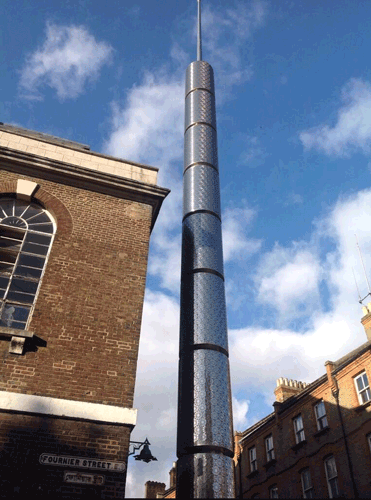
x: 26, y: 236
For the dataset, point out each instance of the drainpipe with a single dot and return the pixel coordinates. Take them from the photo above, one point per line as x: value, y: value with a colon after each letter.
x: 335, y: 392
x: 240, y: 472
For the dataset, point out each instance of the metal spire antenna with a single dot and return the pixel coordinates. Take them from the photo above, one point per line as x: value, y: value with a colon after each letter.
x: 364, y: 270
x: 355, y: 281
x: 205, y: 430
x: 199, y: 39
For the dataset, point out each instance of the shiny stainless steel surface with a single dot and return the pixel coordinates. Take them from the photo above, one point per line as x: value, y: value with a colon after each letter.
x: 201, y: 190
x: 205, y: 433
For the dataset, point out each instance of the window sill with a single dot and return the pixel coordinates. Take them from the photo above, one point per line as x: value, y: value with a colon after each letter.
x: 362, y: 407
x: 13, y: 332
x: 18, y: 339
x: 270, y: 463
x: 252, y: 474
x: 297, y: 446
x: 321, y: 432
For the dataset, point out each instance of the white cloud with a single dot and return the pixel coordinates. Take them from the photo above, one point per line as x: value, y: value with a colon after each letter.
x: 352, y: 130
x: 160, y: 328
x: 156, y: 391
x: 236, y: 223
x: 240, y: 409
x: 260, y: 355
x: 288, y: 280
x: 69, y: 57
x: 149, y: 127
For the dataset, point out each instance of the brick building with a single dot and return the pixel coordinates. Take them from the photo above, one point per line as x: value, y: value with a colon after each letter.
x: 317, y: 442
x: 74, y: 235
x: 154, y: 489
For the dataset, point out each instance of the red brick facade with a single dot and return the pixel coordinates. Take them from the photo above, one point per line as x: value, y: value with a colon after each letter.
x: 86, y: 326
x: 340, y: 436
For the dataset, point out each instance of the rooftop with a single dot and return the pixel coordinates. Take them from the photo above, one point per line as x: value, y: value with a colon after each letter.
x: 338, y: 365
x: 73, y: 153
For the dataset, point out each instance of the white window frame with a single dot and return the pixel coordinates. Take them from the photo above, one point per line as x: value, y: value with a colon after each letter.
x: 269, y: 446
x: 307, y: 489
x: 322, y: 422
x: 299, y: 429
x: 332, y: 482
x: 273, y: 491
x: 252, y: 458
x: 364, y: 392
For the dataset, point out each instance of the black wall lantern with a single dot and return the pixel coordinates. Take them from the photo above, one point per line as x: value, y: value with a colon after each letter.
x: 145, y: 455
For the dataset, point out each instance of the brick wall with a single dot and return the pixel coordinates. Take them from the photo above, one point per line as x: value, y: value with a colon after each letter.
x: 24, y: 438
x: 291, y: 458
x: 88, y: 314
x: 90, y: 302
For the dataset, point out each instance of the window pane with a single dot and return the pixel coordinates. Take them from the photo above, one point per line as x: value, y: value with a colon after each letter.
x: 42, y: 217
x: 20, y: 207
x: 36, y: 249
x: 269, y: 442
x: 365, y: 380
x: 331, y: 467
x: 7, y: 244
x: 323, y: 422
x: 365, y: 395
x: 40, y: 239
x: 298, y: 422
x: 31, y: 210
x: 14, y: 324
x: 6, y: 268
x: 20, y: 285
x: 320, y: 409
x: 360, y: 383
x: 7, y: 256
x: 20, y: 297
x: 307, y: 483
x: 43, y: 228
x: 14, y: 314
x: 4, y: 281
x: 28, y: 272
x: 14, y: 222
x: 30, y: 261
x: 334, y: 487
x: 12, y: 232
x: 7, y: 206
x: 273, y: 492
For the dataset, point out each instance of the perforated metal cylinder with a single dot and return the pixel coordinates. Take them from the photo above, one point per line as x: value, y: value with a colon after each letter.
x: 205, y: 433
x: 200, y: 146
x: 201, y: 190
x: 198, y: 109
x: 202, y: 243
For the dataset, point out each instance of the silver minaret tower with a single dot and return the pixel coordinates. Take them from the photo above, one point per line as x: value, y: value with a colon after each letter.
x: 205, y: 431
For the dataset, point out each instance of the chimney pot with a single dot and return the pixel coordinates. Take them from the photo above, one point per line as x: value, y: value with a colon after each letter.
x: 287, y: 388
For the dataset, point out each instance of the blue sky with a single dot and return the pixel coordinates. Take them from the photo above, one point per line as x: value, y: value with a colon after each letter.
x: 293, y: 90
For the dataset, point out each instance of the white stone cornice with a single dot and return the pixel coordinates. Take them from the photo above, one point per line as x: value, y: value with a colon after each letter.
x: 65, y: 408
x: 43, y: 167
